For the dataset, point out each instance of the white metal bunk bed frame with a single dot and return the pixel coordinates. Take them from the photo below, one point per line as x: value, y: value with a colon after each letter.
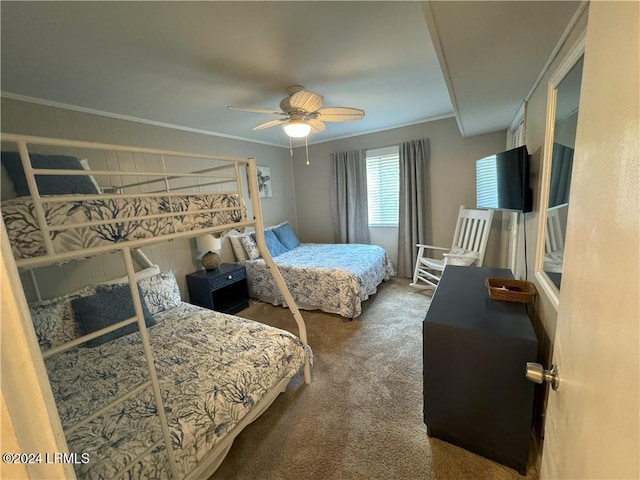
x: 210, y: 464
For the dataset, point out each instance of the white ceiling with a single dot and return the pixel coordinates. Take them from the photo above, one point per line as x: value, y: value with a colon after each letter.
x: 492, y: 54
x: 183, y: 63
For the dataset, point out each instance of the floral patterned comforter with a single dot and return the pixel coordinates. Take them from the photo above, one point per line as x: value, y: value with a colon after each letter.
x: 212, y: 368
x: 334, y: 278
x: 27, y: 241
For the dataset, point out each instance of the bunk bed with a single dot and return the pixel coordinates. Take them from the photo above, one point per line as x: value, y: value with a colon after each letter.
x: 146, y: 386
x: 334, y: 278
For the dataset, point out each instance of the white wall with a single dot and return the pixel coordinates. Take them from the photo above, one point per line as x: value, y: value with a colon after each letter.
x: 177, y: 255
x: 452, y: 174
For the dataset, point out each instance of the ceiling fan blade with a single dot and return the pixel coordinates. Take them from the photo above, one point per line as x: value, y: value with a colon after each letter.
x: 305, y: 100
x: 317, y: 126
x: 271, y: 123
x: 339, y: 114
x: 256, y: 110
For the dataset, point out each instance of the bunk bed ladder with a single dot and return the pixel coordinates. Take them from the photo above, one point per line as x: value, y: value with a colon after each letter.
x: 273, y: 269
x: 148, y: 353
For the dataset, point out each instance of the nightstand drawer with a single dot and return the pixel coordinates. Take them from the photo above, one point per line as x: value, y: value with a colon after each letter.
x: 227, y: 278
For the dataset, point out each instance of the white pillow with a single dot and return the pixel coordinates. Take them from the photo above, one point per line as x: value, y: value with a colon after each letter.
x: 54, y: 320
x: 238, y: 248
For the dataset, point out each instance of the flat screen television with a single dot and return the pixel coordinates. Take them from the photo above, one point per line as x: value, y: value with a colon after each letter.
x: 502, y: 181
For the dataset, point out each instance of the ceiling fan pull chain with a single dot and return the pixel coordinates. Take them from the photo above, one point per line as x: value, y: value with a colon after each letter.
x: 290, y: 147
x: 306, y: 147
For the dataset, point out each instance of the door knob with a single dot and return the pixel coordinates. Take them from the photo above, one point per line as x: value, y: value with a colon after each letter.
x: 537, y: 374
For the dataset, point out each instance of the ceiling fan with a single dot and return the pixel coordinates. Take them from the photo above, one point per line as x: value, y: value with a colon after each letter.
x: 303, y: 114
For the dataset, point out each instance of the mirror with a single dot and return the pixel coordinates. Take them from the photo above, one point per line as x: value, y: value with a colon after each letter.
x: 562, y: 120
x: 564, y: 140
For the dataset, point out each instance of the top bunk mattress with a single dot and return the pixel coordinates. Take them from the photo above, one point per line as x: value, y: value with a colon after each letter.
x: 121, y: 220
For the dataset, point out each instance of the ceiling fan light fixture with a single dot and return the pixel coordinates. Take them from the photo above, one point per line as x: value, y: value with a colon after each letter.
x: 297, y: 128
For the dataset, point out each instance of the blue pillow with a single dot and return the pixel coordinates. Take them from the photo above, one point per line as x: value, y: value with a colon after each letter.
x: 108, y: 308
x: 273, y: 244
x: 285, y: 234
x: 48, y: 184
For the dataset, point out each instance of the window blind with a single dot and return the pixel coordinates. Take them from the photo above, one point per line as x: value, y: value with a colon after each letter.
x: 486, y: 183
x: 518, y: 136
x: 383, y: 186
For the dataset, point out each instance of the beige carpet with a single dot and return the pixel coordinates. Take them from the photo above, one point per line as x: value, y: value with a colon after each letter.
x: 361, y: 417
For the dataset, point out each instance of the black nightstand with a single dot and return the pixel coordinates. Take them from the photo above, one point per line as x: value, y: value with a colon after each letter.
x: 223, y: 289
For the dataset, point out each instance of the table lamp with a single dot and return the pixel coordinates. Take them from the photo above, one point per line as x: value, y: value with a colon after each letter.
x: 209, y: 244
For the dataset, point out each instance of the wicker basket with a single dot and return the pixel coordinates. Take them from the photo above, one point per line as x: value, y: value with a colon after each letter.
x: 510, y: 290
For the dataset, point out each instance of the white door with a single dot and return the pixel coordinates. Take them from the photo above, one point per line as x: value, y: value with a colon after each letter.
x: 593, y: 424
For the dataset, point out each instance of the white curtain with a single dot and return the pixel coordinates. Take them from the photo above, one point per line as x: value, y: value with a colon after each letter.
x: 349, y: 197
x: 413, y: 219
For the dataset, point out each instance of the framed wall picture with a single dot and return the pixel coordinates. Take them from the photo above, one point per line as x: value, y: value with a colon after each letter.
x: 264, y: 182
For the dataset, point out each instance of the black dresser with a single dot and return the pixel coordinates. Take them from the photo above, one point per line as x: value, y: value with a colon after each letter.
x: 476, y: 349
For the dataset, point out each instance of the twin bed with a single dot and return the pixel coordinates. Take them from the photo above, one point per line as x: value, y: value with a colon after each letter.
x: 158, y: 388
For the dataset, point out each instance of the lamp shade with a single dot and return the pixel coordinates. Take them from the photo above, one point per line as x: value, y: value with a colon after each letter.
x: 208, y: 243
x: 297, y: 128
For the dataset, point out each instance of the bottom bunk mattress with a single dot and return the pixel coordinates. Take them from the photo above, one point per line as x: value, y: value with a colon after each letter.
x: 334, y: 278
x: 213, y: 370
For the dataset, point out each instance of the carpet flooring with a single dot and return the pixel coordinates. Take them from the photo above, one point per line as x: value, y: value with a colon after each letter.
x: 361, y: 417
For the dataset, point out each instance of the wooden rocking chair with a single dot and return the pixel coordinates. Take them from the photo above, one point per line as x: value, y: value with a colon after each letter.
x: 554, y: 239
x: 468, y: 247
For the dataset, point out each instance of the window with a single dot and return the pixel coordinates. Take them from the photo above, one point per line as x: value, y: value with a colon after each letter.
x: 383, y: 186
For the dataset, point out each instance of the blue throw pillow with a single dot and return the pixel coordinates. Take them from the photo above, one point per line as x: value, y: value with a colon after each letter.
x: 286, y: 236
x: 273, y: 244
x: 108, y: 308
x: 48, y: 184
